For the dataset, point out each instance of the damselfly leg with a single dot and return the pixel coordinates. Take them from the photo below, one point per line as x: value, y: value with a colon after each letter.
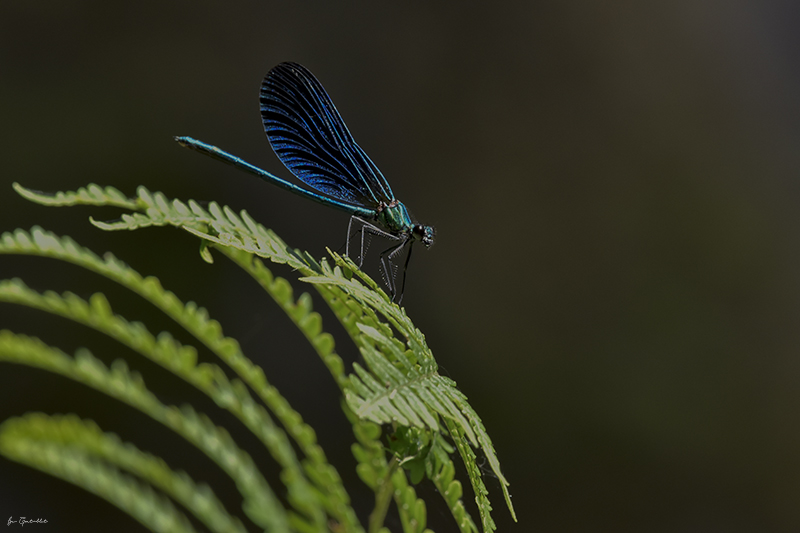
x: 389, y: 268
x: 365, y: 231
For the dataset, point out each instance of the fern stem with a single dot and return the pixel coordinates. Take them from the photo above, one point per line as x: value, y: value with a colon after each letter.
x: 383, y: 497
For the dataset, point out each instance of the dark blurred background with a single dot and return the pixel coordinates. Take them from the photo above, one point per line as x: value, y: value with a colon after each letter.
x: 614, y: 185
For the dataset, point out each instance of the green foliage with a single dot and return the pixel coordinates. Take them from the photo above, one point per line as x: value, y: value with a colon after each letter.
x: 86, y: 456
x: 398, y: 386
x: 137, y: 499
x: 260, y: 502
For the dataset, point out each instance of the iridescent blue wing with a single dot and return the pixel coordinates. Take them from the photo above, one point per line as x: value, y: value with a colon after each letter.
x: 310, y: 138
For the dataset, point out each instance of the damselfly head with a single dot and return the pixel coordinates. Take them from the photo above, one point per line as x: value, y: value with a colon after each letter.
x: 425, y: 233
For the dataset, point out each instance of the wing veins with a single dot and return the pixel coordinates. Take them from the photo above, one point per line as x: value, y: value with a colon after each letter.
x: 311, y: 139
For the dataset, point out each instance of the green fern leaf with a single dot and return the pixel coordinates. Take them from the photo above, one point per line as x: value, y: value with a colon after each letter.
x: 330, y: 491
x: 155, y: 512
x: 260, y: 503
x: 164, y: 350
x: 90, y: 195
x: 54, y: 443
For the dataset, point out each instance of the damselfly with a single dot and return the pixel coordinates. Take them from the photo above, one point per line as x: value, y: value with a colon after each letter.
x: 311, y: 140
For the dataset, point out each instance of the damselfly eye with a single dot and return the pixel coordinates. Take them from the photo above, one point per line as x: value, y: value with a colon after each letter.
x: 426, y: 234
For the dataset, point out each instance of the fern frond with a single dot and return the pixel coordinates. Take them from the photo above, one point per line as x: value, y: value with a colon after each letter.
x: 54, y: 444
x: 90, y: 195
x: 181, y: 360
x: 388, y: 481
x: 404, y: 385
x: 260, y: 503
x: 369, y: 453
x: 401, y: 381
x: 330, y: 490
x: 413, y: 512
x: 151, y: 509
x: 443, y: 477
x: 474, y: 473
x: 423, y: 453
